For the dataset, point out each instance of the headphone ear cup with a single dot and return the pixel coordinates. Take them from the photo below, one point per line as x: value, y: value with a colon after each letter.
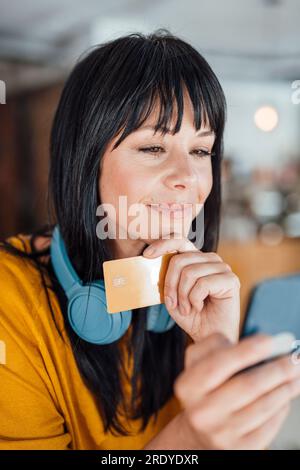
x: 171, y: 322
x: 88, y: 316
x: 159, y: 320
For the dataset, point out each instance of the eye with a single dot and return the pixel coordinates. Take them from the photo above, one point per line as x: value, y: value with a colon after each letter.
x: 151, y: 149
x: 201, y: 153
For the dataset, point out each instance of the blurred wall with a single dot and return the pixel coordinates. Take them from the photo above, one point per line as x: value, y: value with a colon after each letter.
x: 248, y: 145
x: 25, y: 123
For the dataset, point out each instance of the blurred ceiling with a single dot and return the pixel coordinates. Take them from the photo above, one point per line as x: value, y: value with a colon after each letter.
x: 242, y: 40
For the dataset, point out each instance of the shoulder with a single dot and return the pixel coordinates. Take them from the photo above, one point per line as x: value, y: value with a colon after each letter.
x: 19, y: 274
x: 21, y: 286
x: 31, y: 415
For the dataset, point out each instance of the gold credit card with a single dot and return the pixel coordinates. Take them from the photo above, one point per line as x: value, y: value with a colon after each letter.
x: 135, y: 282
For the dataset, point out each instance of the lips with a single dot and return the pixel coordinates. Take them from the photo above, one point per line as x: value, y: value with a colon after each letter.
x: 169, y: 205
x: 173, y: 209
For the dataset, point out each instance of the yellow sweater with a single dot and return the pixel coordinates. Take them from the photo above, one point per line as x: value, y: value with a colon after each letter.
x: 44, y: 403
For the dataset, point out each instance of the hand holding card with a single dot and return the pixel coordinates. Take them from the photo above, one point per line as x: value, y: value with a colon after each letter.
x: 135, y: 282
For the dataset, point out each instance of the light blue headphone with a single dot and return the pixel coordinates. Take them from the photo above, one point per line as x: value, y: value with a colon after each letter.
x: 87, y: 309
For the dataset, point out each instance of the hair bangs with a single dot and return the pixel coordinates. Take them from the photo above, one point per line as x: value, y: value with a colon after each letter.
x: 161, y: 91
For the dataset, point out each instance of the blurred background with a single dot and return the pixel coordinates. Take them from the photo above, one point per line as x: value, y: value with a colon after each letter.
x: 254, y: 48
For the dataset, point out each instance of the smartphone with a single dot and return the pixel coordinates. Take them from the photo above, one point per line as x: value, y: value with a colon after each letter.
x: 135, y: 282
x: 273, y: 307
x: 285, y: 345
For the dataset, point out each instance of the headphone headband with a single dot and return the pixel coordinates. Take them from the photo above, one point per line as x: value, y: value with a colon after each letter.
x: 64, y: 270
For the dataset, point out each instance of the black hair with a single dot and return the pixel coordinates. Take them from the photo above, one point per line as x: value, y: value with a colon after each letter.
x: 113, y: 87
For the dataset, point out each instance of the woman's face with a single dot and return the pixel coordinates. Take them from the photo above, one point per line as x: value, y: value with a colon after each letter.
x: 176, y: 170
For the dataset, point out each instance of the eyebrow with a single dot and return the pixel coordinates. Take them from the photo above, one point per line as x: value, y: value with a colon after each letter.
x: 200, y: 133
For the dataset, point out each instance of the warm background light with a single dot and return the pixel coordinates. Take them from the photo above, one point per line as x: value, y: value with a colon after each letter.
x: 266, y: 118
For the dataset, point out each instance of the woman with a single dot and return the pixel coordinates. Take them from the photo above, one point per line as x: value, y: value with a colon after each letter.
x: 60, y: 391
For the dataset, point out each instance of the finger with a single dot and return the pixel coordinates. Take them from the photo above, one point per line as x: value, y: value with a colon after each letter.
x: 217, y: 286
x: 189, y: 276
x: 256, y: 414
x: 249, y: 386
x: 220, y: 365
x: 163, y: 246
x: 175, y: 267
x: 263, y: 436
x: 196, y: 352
x: 260, y: 407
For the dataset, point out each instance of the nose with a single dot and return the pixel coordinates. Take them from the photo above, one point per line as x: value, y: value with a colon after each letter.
x: 182, y: 175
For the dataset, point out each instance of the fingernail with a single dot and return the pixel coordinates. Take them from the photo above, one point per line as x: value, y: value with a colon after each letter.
x: 282, y: 343
x: 149, y: 251
x: 295, y: 385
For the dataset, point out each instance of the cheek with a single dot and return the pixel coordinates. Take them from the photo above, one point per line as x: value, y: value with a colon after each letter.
x: 114, y: 180
x: 124, y: 179
x: 209, y: 183
x: 205, y: 183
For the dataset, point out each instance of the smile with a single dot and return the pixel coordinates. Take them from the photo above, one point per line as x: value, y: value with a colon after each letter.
x: 176, y: 211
